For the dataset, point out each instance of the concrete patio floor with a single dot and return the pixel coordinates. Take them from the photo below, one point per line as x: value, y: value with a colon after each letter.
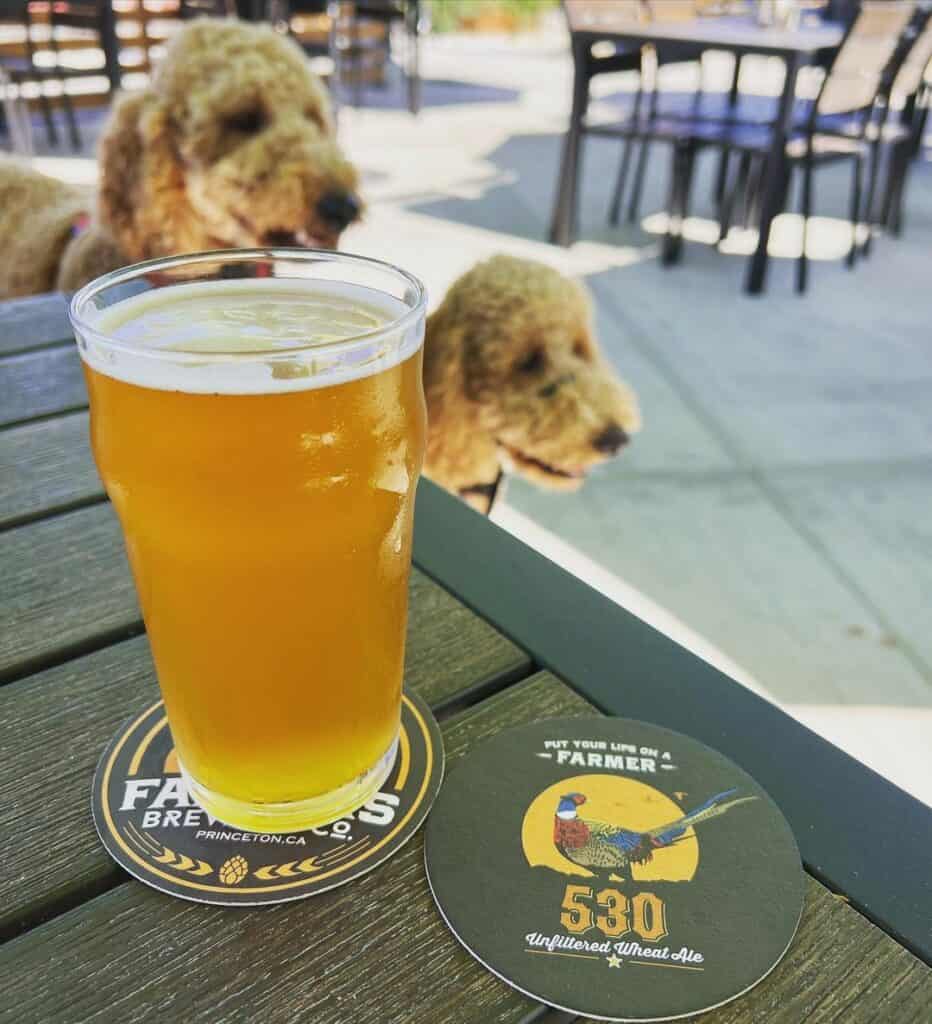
x: 774, y: 513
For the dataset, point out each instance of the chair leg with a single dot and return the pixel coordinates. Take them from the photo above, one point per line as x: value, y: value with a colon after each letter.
x: 671, y: 242
x: 751, y: 174
x: 896, y: 215
x: 755, y: 191
x: 890, y: 215
x: 721, y: 177
x: 730, y: 198
x: 889, y: 188
x: 70, y: 118
x: 50, y: 129
x: 637, y: 188
x: 413, y: 63
x: 689, y: 165
x: 920, y: 132
x: 358, y: 64
x: 855, y: 211
x: 678, y: 202
x: 635, y: 202
x: 802, y: 266
x: 614, y: 213
x: 563, y: 222
x: 873, y: 175
x: 785, y: 179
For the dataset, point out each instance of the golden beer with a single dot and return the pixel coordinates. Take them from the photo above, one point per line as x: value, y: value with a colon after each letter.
x: 265, y: 485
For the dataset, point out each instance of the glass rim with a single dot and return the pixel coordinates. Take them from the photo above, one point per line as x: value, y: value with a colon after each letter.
x: 87, y: 328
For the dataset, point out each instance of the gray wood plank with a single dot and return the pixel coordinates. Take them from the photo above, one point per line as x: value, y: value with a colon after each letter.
x: 55, y: 724
x: 304, y: 961
x: 40, y: 384
x: 375, y: 952
x: 68, y: 589
x: 45, y: 467
x: 840, y: 969
x: 34, y: 322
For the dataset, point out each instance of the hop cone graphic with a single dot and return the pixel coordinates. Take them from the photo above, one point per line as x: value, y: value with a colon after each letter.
x: 233, y: 870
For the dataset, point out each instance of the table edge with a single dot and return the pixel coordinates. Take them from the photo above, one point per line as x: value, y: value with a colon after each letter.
x: 858, y: 834
x: 647, y: 33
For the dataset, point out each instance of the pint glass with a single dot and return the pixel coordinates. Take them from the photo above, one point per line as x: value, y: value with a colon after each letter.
x: 258, y: 421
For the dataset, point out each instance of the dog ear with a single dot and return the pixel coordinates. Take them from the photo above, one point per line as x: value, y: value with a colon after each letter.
x: 444, y: 380
x: 120, y: 156
x: 323, y: 107
x: 140, y: 176
x: 443, y: 389
x: 459, y: 452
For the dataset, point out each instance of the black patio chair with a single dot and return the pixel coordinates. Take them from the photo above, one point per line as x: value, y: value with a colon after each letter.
x: 346, y: 45
x: 96, y: 20
x: 836, y: 126
x: 658, y: 103
x: 590, y: 24
x: 23, y: 70
x: 912, y: 91
x: 407, y: 13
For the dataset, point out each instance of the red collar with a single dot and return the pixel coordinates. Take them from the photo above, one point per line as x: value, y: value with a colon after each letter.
x: 80, y: 223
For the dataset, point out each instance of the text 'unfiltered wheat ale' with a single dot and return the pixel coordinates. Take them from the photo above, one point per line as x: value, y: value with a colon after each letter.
x: 261, y: 437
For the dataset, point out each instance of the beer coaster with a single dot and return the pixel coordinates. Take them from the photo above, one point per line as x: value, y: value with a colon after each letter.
x: 150, y: 825
x: 614, y: 869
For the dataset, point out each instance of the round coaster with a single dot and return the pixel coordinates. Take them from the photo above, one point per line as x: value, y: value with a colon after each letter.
x: 152, y: 827
x: 614, y: 869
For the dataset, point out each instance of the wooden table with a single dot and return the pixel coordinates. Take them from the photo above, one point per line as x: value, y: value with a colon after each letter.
x: 498, y: 636
x: 733, y: 34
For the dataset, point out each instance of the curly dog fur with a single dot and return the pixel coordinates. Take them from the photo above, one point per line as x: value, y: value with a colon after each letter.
x: 231, y: 145
x: 515, y: 381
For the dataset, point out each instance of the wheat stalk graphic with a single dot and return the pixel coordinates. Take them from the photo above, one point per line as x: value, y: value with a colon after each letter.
x: 162, y: 854
x: 311, y: 865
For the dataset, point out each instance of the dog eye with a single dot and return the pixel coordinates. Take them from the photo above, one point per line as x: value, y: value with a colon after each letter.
x: 581, y: 350
x: 246, y: 122
x: 533, y: 362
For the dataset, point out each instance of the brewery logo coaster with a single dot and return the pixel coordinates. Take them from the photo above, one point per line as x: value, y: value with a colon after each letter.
x: 614, y: 869
x: 152, y: 827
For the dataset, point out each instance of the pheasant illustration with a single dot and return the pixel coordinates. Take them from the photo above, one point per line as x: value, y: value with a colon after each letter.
x: 604, y: 848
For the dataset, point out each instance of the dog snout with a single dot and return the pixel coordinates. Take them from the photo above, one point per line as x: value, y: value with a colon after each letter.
x: 610, y: 440
x: 339, y: 209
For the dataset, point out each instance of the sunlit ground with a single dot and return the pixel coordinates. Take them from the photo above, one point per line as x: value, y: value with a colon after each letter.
x: 827, y: 238
x: 894, y: 741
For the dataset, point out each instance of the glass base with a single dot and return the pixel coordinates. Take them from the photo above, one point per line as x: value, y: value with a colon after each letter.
x: 294, y: 815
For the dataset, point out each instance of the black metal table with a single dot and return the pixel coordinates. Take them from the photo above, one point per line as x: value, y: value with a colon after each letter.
x: 739, y: 36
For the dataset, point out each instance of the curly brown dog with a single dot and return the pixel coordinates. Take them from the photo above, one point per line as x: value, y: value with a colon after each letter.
x: 232, y: 145
x: 514, y: 380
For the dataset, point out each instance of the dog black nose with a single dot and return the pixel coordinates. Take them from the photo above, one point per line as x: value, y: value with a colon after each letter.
x: 338, y: 209
x: 610, y: 440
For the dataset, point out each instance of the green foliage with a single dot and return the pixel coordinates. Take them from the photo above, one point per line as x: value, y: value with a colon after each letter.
x: 450, y: 15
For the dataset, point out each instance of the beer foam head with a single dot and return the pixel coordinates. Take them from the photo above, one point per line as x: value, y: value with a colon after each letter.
x: 254, y: 336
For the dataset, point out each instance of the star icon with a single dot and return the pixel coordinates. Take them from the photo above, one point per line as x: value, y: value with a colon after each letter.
x: 614, y: 961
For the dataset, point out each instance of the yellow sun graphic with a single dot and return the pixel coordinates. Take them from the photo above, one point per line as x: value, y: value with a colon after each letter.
x: 614, y: 800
